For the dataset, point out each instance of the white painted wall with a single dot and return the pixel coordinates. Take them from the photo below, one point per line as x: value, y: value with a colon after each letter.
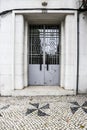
x: 83, y: 53
x: 6, y: 53
x: 13, y: 4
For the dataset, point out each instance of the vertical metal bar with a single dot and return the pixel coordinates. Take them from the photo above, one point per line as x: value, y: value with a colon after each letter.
x: 40, y: 62
x: 59, y: 46
x: 47, y: 63
x: 31, y: 46
x: 44, y: 51
x: 57, y: 42
x: 44, y: 44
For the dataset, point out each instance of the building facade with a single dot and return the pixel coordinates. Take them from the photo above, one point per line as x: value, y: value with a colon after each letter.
x: 43, y: 42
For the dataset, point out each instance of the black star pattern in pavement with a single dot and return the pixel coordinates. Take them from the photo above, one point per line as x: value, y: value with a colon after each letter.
x: 76, y: 106
x: 38, y: 109
x: 0, y: 115
x: 3, y: 108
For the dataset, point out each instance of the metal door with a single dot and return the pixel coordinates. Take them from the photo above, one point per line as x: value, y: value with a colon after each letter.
x: 44, y: 68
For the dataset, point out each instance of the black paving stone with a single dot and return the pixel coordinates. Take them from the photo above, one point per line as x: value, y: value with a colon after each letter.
x: 29, y: 111
x: 5, y: 107
x: 74, y: 109
x: 45, y: 107
x: 0, y: 115
x: 85, y: 104
x: 35, y: 104
x: 75, y: 103
x: 40, y: 113
x: 85, y: 110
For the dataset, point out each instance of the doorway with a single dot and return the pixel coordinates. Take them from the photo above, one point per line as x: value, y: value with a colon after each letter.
x: 44, y: 55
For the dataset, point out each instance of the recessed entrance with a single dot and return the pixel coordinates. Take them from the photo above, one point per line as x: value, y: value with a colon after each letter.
x: 44, y: 55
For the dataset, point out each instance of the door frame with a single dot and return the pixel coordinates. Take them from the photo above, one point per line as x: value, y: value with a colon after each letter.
x: 29, y: 11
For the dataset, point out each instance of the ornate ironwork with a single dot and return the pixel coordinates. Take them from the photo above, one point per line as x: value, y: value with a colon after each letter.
x: 83, y: 4
x: 44, y: 42
x: 44, y: 3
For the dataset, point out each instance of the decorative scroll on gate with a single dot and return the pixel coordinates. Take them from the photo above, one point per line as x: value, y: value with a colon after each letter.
x: 83, y: 4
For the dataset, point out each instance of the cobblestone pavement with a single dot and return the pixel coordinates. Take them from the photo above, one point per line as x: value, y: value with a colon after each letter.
x: 43, y: 113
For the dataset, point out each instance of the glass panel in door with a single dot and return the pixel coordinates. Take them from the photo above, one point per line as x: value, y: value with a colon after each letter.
x: 52, y: 66
x: 36, y: 69
x: 44, y: 55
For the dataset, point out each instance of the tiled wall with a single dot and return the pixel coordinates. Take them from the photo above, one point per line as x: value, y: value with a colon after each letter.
x: 83, y: 53
x: 16, y: 4
x: 69, y: 52
x: 6, y: 53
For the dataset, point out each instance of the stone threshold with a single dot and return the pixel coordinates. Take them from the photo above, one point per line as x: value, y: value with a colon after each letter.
x: 42, y: 91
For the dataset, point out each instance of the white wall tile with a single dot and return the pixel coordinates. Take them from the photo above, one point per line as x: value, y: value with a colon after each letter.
x: 70, y: 82
x: 13, y: 4
x: 83, y: 84
x: 6, y: 53
x: 19, y: 50
x: 83, y: 61
x: 19, y: 82
x: 5, y: 83
x: 5, y: 69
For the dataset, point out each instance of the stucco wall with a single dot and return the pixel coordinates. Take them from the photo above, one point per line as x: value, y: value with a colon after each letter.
x: 83, y: 53
x: 16, y: 4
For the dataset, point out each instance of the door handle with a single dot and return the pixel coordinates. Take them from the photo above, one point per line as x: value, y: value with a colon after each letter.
x: 40, y: 62
x: 47, y: 63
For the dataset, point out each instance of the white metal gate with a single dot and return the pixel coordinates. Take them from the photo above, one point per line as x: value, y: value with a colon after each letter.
x: 44, y: 68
